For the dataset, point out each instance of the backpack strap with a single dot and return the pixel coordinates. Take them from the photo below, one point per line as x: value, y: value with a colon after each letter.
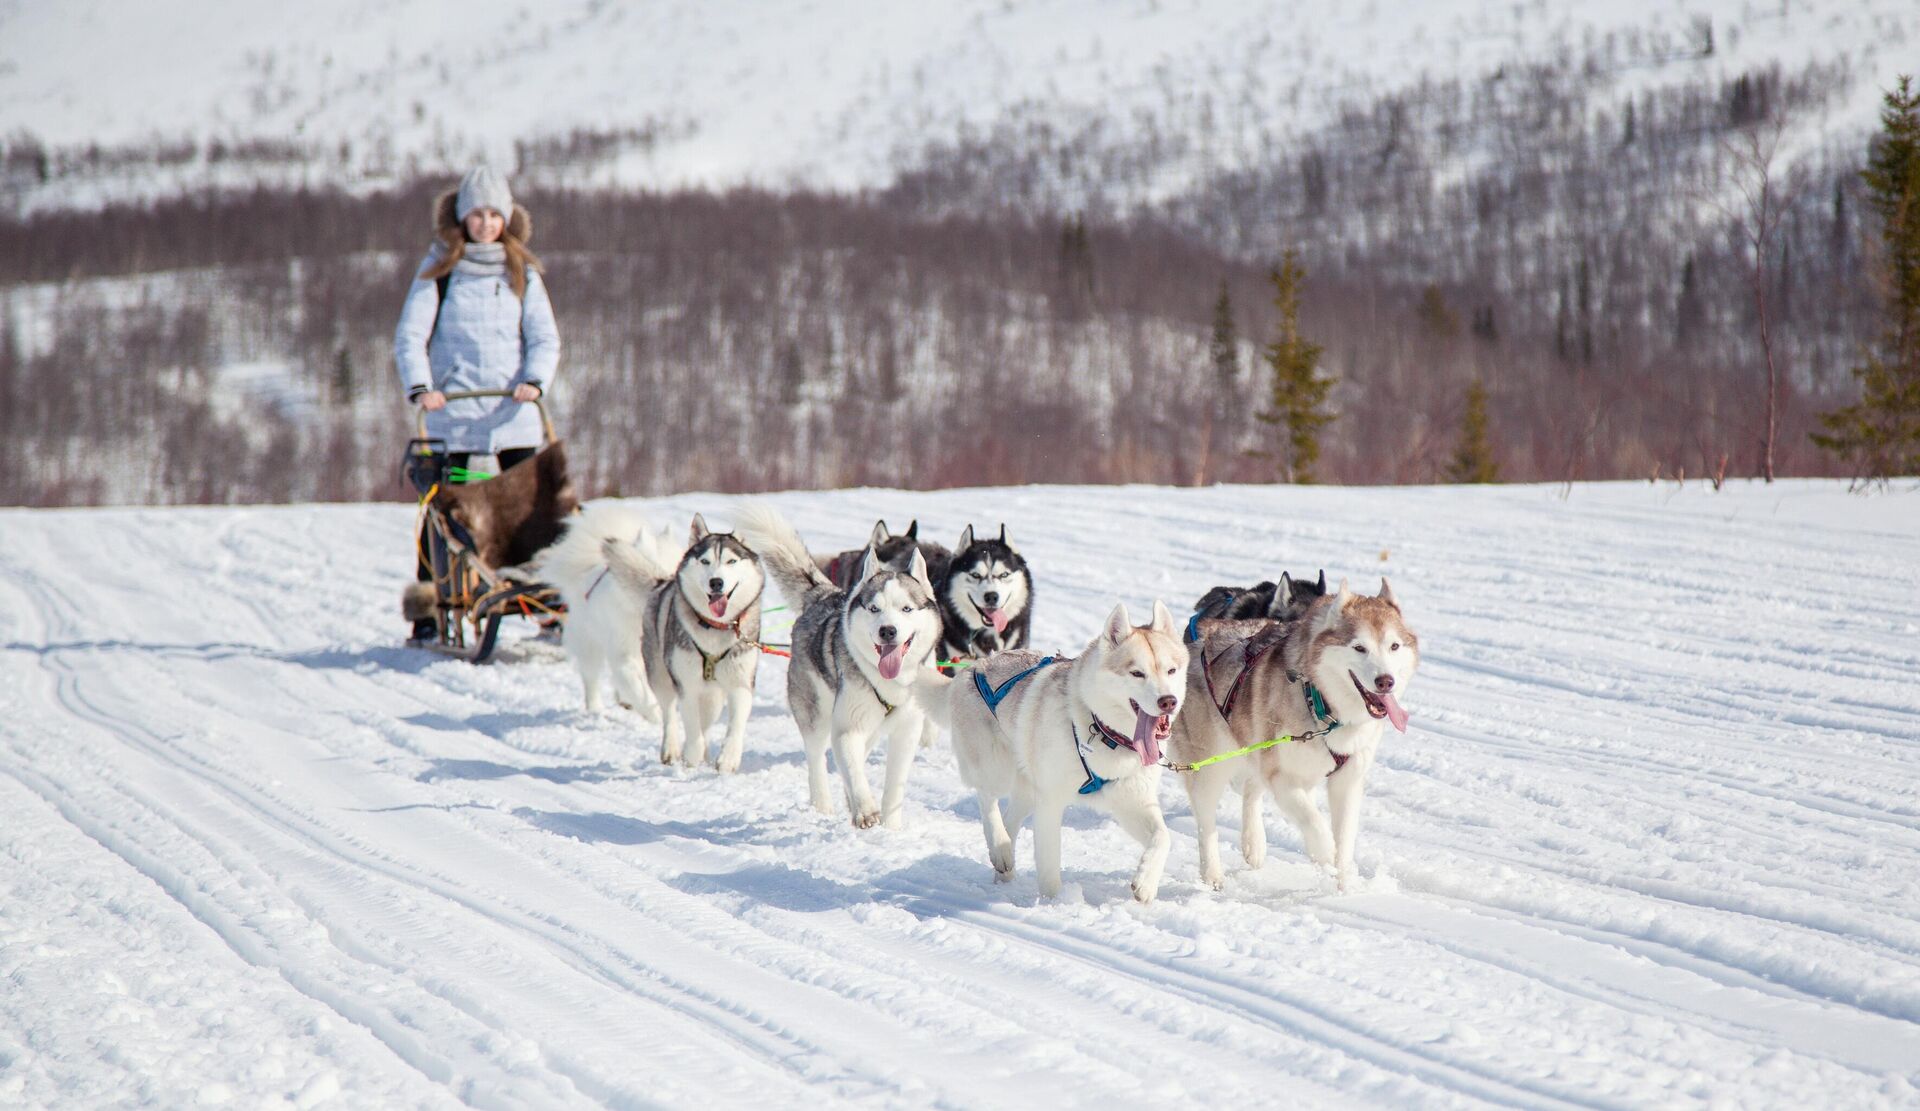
x: 440, y: 284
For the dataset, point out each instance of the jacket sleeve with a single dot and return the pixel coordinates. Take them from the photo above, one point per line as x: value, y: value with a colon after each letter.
x: 539, y: 338
x: 415, y: 329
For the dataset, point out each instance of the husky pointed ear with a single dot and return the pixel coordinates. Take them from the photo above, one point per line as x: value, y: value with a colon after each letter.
x: 913, y: 529
x: 1386, y: 592
x: 966, y: 540
x: 870, y: 565
x: 879, y: 534
x: 1341, y: 599
x: 700, y: 529
x: 1162, y: 618
x: 1282, y: 596
x: 1118, y: 626
x: 1005, y: 541
x: 1323, y: 580
x: 918, y: 569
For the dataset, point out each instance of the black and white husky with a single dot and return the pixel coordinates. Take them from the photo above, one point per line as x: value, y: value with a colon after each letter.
x: 986, y: 597
x: 894, y: 549
x: 859, y: 657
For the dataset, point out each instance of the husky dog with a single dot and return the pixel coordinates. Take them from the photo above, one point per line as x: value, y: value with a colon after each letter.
x: 858, y: 656
x: 1050, y: 731
x: 604, y: 621
x: 986, y: 598
x: 701, y: 637
x: 1282, y: 602
x: 1329, y: 679
x: 894, y: 549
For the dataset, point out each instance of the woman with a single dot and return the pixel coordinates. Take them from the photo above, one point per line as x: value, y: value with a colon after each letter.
x: 478, y: 318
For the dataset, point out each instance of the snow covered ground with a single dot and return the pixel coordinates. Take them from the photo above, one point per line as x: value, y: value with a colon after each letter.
x: 1653, y: 838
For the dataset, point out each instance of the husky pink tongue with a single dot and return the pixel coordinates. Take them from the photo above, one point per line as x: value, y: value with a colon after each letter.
x: 718, y: 604
x: 999, y: 619
x: 890, y: 661
x: 1394, y: 713
x: 1145, y: 740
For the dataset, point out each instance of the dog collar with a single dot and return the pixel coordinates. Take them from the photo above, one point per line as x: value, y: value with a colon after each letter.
x: 1113, y: 738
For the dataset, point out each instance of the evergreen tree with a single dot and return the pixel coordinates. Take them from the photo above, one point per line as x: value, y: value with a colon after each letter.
x: 1880, y: 434
x: 1298, y: 398
x: 1473, y: 456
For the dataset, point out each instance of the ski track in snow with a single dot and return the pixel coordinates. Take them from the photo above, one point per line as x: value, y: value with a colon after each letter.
x: 1652, y: 837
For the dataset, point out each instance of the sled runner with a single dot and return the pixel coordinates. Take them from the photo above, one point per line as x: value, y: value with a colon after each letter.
x: 473, y: 538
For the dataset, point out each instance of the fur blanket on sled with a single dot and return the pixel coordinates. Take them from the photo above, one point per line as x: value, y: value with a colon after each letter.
x: 509, y: 517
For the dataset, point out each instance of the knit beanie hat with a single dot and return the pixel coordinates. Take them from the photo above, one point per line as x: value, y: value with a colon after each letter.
x: 483, y: 188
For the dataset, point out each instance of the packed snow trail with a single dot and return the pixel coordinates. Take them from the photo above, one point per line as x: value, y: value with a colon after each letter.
x: 1653, y: 837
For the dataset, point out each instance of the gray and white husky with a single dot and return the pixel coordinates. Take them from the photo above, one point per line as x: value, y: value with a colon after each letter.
x: 701, y: 639
x: 1330, y: 679
x: 860, y: 656
x: 1050, y: 732
x: 604, y: 621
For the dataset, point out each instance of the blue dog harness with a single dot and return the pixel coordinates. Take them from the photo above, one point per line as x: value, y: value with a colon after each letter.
x: 993, y: 696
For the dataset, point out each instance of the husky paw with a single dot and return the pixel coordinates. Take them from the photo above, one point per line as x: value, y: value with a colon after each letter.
x: 648, y: 710
x: 822, y: 804
x: 669, y: 757
x: 1144, y: 889
x: 1001, y: 856
x: 1345, y: 879
x: 728, y: 763
x: 1253, y: 848
x: 1214, y: 877
x: 866, y: 819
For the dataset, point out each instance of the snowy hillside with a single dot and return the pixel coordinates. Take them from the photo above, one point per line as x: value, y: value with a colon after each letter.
x: 836, y: 94
x: 1652, y: 839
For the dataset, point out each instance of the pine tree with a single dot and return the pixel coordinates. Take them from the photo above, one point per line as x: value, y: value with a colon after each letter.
x: 1473, y: 457
x: 1298, y: 398
x: 1880, y: 434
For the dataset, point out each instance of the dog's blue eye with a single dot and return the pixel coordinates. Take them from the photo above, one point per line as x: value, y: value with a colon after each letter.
x: 873, y: 609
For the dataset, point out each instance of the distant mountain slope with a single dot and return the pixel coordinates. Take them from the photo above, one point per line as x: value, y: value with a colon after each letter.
x: 827, y: 94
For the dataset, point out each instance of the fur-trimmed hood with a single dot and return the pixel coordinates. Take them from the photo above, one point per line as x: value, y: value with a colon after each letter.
x: 446, y: 225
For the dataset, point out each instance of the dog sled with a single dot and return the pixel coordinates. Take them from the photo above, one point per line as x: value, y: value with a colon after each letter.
x: 475, y: 536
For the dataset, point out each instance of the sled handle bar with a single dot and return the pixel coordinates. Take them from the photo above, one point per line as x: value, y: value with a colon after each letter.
x: 540, y: 403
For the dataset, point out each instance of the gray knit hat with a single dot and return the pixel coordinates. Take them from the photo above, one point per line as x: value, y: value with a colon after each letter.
x: 483, y: 188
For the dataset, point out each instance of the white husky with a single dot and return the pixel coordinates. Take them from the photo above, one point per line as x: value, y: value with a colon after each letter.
x: 1043, y: 731
x: 603, y: 620
x: 1328, y: 679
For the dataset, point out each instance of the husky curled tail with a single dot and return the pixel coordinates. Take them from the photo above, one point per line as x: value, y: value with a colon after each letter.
x: 782, y: 553
x: 603, y: 618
